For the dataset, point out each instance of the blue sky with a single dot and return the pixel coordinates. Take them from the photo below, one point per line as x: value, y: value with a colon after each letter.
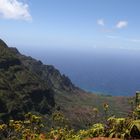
x: 70, y: 24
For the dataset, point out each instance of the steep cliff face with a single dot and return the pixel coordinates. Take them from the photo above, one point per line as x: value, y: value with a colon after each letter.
x: 28, y: 85
x: 46, y: 72
x: 21, y: 90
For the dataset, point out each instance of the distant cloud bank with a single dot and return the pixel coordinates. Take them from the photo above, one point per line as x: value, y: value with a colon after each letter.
x: 14, y: 9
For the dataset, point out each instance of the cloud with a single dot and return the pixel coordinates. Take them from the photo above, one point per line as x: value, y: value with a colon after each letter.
x: 121, y: 24
x: 100, y: 22
x: 14, y: 9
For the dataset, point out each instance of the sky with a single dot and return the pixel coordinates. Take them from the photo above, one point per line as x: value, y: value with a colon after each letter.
x: 70, y: 24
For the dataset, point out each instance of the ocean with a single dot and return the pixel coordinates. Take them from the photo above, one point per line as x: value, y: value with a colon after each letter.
x: 111, y: 71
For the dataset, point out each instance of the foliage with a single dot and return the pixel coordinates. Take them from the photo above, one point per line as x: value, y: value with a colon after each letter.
x: 30, y: 128
x: 95, y: 131
x: 33, y: 128
x: 59, y: 120
x: 118, y: 128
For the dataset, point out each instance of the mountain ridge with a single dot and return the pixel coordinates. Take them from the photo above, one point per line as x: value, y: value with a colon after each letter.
x: 26, y: 84
x: 21, y: 90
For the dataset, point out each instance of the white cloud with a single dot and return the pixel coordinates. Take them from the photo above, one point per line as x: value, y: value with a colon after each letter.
x: 14, y: 9
x: 100, y: 22
x: 121, y: 24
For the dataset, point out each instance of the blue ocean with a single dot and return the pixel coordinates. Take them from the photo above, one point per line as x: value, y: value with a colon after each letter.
x: 105, y: 71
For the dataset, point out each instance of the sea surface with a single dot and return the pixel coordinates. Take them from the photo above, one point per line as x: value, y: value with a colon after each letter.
x: 106, y: 71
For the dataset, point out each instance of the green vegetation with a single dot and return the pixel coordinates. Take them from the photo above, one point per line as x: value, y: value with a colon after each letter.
x: 27, y: 85
x: 33, y: 127
x: 21, y: 90
x: 62, y: 111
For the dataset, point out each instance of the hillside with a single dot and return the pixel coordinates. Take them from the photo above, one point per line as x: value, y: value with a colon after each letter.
x: 28, y: 85
x: 20, y: 89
